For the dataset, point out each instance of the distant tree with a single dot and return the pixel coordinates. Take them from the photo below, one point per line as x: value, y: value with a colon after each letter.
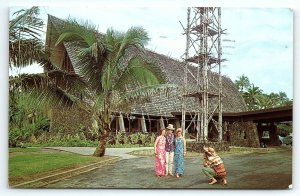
x: 256, y: 99
x: 242, y: 83
x: 265, y: 101
x: 252, y: 97
x: 273, y: 100
x: 283, y: 99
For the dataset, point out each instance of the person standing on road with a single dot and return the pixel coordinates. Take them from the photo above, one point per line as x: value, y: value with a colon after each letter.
x: 160, y: 153
x: 213, y: 166
x: 170, y: 147
x: 179, y: 153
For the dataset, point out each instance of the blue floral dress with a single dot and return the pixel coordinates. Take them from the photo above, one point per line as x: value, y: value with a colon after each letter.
x: 178, y: 156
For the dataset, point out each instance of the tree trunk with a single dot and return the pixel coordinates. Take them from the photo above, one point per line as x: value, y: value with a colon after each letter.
x: 100, y: 150
x: 104, y: 121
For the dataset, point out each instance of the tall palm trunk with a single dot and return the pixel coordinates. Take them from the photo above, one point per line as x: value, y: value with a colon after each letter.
x: 100, y: 150
x: 105, y: 118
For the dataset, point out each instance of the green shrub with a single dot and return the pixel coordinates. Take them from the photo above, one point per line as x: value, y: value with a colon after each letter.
x: 152, y: 138
x: 134, y: 138
x: 118, y: 137
x: 143, y: 138
x: 125, y: 139
x: 285, y: 129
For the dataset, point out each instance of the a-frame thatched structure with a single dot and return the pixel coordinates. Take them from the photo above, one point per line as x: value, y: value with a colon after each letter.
x: 150, y: 115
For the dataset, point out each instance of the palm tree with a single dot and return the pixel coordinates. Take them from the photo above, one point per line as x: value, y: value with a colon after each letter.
x: 106, y: 78
x: 252, y: 97
x: 274, y: 100
x: 283, y: 99
x: 265, y: 101
x: 242, y: 83
x: 115, y: 79
x: 25, y: 44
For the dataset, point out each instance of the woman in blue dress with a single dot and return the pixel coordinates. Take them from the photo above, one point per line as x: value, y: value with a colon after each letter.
x: 179, y: 153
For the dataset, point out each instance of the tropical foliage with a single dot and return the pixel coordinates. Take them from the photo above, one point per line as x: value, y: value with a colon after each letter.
x: 25, y: 48
x: 110, y: 72
x: 285, y: 129
x: 105, y: 79
x: 25, y: 119
x: 25, y: 44
x: 255, y: 98
x: 242, y: 83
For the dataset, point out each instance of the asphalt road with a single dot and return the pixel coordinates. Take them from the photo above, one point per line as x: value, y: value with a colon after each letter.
x: 268, y: 170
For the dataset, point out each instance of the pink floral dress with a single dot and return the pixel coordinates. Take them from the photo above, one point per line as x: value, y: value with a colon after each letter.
x: 160, y: 158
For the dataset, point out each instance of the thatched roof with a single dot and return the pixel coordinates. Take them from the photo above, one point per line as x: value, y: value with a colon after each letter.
x: 174, y: 72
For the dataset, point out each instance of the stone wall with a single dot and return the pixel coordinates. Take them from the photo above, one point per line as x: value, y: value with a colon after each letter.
x: 69, y: 120
x: 198, y: 146
x: 244, y: 134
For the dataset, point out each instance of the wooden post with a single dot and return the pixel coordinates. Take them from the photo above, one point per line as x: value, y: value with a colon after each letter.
x: 177, y: 123
x: 220, y: 129
x: 143, y: 123
x: 129, y: 124
x: 161, y: 123
x: 183, y: 106
x: 139, y: 124
x: 121, y: 123
x: 205, y: 76
x: 198, y: 127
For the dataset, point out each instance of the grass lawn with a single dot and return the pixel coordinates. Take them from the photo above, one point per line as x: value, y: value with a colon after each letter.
x: 30, y: 163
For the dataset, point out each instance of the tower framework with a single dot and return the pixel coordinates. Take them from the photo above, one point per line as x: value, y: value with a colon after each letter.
x: 203, y: 50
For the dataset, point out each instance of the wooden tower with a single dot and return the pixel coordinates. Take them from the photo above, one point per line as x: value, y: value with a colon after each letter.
x: 203, y: 50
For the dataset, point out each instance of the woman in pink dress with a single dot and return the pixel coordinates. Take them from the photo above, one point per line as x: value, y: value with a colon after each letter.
x: 160, y: 154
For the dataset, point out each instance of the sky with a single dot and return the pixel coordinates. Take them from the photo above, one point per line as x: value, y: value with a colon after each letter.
x: 263, y: 37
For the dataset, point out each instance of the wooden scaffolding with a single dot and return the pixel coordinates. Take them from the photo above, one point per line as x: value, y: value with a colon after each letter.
x: 203, y: 50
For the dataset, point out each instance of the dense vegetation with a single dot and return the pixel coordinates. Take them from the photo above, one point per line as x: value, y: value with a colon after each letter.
x: 255, y: 98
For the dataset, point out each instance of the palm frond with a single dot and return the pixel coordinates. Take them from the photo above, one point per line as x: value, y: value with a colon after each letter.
x: 25, y: 45
x: 75, y: 31
x: 26, y: 24
x: 134, y: 37
x: 53, y: 96
x: 90, y: 69
x: 139, y: 70
x: 99, y: 102
x: 70, y: 83
x: 45, y: 62
x: 43, y: 93
x: 24, y: 52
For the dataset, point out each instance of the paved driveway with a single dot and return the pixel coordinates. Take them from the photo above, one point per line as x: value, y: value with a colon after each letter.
x: 271, y: 170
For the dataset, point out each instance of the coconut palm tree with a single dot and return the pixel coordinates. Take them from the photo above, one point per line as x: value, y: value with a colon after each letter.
x: 107, y: 79
x: 25, y: 43
x: 116, y: 78
x: 283, y: 99
x: 242, y: 83
x: 252, y: 97
x: 274, y: 100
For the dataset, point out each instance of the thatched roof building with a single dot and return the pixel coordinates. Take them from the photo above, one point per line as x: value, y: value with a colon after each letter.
x: 64, y: 55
